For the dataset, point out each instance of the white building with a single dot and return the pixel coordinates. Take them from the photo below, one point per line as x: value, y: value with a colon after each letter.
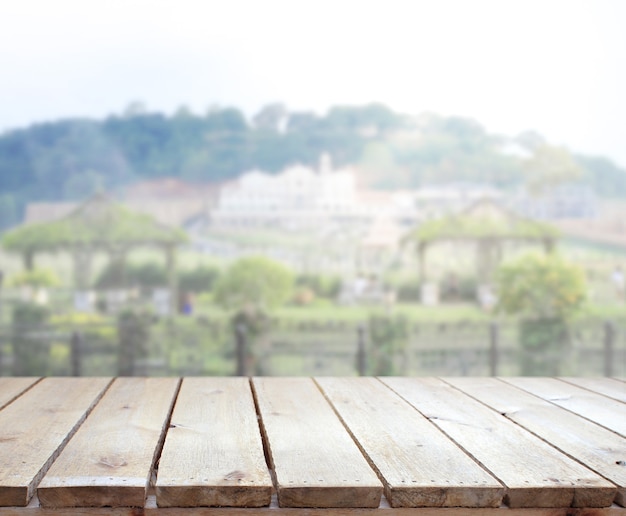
x: 302, y: 197
x: 296, y: 197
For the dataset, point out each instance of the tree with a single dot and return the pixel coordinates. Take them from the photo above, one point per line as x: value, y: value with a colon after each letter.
x: 545, y: 291
x: 270, y: 117
x: 254, y: 283
x: 81, y: 185
x: 539, y: 286
x: 250, y: 287
x: 549, y: 167
x: 8, y: 211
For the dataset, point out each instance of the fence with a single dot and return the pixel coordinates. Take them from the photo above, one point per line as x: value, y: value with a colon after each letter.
x: 187, y: 346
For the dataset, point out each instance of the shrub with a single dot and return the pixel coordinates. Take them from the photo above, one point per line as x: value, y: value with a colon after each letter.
x: 409, y: 291
x: 134, y: 334
x: 31, y: 347
x: 540, y: 286
x: 321, y: 286
x: 545, y: 290
x: 200, y: 279
x: 256, y: 282
x: 145, y: 275
x: 387, y: 336
x: 37, y: 278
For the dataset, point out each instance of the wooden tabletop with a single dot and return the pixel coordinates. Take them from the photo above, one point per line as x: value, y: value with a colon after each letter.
x: 340, y: 446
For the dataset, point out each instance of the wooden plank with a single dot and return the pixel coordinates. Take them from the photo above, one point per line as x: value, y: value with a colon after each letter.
x: 596, y: 447
x: 11, y: 388
x: 606, y: 386
x: 418, y: 464
x: 34, y: 429
x: 213, y: 454
x: 316, y: 462
x: 109, y: 461
x: 534, y: 473
x: 606, y: 412
x: 151, y: 509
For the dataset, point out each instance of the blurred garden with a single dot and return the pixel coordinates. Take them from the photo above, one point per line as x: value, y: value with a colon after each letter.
x: 107, y: 292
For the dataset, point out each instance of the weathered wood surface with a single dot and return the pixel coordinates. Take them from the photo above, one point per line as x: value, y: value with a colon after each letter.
x: 109, y: 461
x: 334, y: 430
x: 384, y: 509
x: 316, y: 462
x: 34, y: 429
x: 534, y: 473
x: 610, y: 387
x: 11, y: 388
x: 604, y: 411
x: 213, y: 454
x: 419, y: 465
x: 598, y: 448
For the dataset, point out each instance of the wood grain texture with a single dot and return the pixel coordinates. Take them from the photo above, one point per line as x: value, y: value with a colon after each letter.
x: 11, y: 388
x: 419, y: 465
x: 604, y: 411
x: 213, y: 454
x: 34, y: 429
x: 606, y: 386
x: 534, y: 473
x: 109, y: 460
x: 316, y: 462
x: 598, y: 448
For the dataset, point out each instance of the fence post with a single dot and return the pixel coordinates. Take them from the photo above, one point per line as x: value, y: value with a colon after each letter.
x: 494, y: 337
x: 609, y: 339
x: 360, y: 352
x: 76, y: 350
x: 240, y: 338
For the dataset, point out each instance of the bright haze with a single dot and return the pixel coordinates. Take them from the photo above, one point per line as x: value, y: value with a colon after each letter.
x: 557, y: 67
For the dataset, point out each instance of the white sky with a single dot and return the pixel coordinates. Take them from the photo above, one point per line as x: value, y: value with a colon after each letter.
x: 554, y: 66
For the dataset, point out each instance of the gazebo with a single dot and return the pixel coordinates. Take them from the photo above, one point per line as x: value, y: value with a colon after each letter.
x: 97, y: 225
x: 486, y: 224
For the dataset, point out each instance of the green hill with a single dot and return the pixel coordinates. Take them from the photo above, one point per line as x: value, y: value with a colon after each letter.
x: 69, y: 159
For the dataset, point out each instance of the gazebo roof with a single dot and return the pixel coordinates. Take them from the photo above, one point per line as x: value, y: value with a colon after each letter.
x: 484, y: 220
x: 98, y: 222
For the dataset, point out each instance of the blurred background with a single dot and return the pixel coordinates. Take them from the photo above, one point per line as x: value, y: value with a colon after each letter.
x: 312, y: 188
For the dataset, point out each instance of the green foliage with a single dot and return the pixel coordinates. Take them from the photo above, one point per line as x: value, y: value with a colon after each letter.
x: 387, y: 336
x: 31, y: 348
x: 144, y: 275
x: 320, y: 285
x: 468, y: 225
x: 550, y: 166
x: 455, y: 289
x: 71, y: 158
x: 604, y: 176
x: 541, y: 286
x: 544, y: 343
x: 38, y: 278
x: 200, y: 279
x: 97, y: 222
x: 8, y: 211
x: 254, y: 282
x: 150, y: 275
x: 81, y: 185
x: 409, y: 291
x: 95, y: 324
x: 134, y: 333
